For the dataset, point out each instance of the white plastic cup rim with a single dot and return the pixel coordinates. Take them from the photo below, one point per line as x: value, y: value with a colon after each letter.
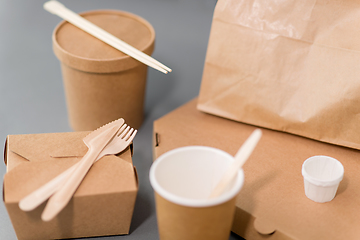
x: 320, y: 182
x: 239, y: 181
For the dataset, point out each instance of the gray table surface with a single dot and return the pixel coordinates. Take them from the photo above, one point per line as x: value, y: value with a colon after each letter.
x: 32, y: 95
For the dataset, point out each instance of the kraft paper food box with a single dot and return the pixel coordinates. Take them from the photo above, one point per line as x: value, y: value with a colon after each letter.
x: 102, y: 205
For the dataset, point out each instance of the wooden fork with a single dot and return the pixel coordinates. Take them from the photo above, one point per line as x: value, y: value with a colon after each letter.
x: 60, y: 198
x: 40, y: 195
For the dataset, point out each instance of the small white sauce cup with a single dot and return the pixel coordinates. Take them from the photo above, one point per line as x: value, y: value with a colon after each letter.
x: 322, y: 176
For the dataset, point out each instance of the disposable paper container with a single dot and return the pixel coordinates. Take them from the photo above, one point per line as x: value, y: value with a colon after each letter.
x: 322, y: 176
x: 183, y: 179
x: 101, y: 83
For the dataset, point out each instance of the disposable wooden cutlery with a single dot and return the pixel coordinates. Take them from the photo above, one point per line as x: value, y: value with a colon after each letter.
x: 60, y: 199
x: 60, y: 10
x: 240, y: 158
x: 117, y: 145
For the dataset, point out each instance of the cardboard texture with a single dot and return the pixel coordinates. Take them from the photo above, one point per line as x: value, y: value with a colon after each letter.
x: 272, y: 199
x: 102, y: 205
x: 286, y: 65
x: 177, y: 222
x: 101, y: 83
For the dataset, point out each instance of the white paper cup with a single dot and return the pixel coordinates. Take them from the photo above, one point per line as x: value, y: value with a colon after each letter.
x: 322, y: 176
x: 183, y: 179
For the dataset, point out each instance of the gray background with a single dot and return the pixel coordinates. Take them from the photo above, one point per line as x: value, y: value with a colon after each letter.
x: 32, y: 95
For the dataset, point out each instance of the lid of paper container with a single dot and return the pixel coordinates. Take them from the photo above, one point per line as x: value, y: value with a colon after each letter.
x: 80, y: 50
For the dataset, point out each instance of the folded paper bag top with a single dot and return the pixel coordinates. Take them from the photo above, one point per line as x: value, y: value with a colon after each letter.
x: 31, y: 163
x: 289, y: 66
x: 101, y: 83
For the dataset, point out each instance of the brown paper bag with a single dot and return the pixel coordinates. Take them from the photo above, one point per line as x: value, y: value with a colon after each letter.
x: 291, y: 65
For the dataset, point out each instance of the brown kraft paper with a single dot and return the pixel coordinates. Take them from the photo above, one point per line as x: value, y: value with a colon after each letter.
x: 272, y: 204
x: 102, y: 205
x: 177, y: 222
x: 291, y: 66
x: 101, y: 83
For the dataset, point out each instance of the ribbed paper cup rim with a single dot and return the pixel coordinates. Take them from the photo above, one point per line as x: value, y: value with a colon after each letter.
x: 319, y: 182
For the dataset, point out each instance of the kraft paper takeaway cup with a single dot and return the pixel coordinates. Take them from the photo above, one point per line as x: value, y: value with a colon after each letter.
x: 101, y: 83
x: 322, y: 176
x: 183, y: 179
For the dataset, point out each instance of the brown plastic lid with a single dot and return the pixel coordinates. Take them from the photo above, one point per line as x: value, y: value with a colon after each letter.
x: 82, y: 51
